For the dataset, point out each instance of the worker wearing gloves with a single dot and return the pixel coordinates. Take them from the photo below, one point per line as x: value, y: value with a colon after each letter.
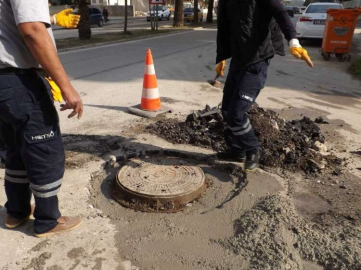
x: 249, y: 32
x: 29, y: 123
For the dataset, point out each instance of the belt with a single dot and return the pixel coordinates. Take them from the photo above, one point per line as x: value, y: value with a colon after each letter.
x: 21, y: 71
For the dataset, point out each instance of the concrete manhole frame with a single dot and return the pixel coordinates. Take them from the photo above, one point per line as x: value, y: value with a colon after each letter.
x: 149, y: 203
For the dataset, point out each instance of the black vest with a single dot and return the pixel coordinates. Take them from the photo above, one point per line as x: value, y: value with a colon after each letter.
x: 247, y: 31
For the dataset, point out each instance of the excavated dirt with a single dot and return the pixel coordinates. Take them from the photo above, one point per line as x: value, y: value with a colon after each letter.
x: 80, y: 149
x: 296, y: 145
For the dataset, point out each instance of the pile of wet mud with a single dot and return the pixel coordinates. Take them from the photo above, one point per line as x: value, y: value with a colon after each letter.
x: 296, y: 145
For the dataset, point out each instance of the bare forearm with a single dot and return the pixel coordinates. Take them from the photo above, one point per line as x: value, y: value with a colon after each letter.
x: 42, y: 48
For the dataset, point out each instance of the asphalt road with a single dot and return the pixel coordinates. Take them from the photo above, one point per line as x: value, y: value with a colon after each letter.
x: 96, y: 60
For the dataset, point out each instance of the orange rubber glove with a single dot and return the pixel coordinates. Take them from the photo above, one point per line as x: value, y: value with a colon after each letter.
x: 66, y: 19
x: 55, y: 90
x: 297, y: 51
x: 220, y: 68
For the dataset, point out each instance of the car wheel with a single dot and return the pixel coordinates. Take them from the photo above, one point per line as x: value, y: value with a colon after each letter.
x: 341, y: 57
x: 326, y: 56
x: 161, y: 18
x: 101, y: 23
x: 201, y: 19
x: 168, y: 17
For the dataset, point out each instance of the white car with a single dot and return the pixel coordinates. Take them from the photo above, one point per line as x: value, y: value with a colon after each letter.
x: 163, y: 13
x: 312, y: 22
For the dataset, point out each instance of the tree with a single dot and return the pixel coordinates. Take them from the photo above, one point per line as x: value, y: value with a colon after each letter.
x: 84, y: 23
x: 195, y: 12
x: 210, y: 11
x: 178, y: 20
x: 126, y: 16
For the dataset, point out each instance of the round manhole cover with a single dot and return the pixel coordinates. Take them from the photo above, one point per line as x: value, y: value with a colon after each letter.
x: 160, y: 183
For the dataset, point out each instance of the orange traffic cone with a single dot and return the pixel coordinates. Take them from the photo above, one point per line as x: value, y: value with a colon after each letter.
x: 150, y: 105
x: 150, y: 93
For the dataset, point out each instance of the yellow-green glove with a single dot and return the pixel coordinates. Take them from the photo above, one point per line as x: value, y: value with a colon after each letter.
x: 55, y: 90
x: 66, y: 19
x: 299, y: 52
x: 220, y: 68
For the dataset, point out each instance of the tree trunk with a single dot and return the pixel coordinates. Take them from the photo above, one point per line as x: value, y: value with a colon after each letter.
x: 195, y: 12
x: 210, y: 11
x: 178, y: 20
x: 84, y: 23
x: 126, y: 17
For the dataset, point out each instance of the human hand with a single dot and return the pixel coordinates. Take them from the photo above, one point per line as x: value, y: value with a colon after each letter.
x: 299, y: 52
x: 220, y: 68
x: 72, y: 101
x: 66, y: 19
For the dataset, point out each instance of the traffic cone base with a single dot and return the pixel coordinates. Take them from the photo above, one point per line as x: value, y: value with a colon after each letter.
x: 150, y: 105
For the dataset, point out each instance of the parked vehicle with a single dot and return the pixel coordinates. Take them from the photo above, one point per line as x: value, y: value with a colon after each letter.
x: 296, y: 10
x: 187, y: 5
x: 189, y: 15
x: 95, y: 16
x: 290, y: 11
x: 312, y: 22
x: 163, y: 13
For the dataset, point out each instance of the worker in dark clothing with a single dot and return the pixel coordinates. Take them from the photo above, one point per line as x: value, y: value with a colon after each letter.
x: 249, y: 32
x: 29, y: 123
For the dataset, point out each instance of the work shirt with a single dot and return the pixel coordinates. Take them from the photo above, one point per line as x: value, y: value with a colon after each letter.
x: 13, y: 50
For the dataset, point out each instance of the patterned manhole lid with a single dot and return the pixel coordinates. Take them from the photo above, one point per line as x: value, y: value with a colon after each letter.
x: 159, y: 182
x: 160, y: 177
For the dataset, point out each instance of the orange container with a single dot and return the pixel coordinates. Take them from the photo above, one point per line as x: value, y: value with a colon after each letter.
x: 339, y: 30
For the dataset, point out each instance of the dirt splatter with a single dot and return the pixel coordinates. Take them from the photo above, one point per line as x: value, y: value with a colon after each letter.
x: 75, y: 253
x: 55, y: 267
x: 98, y: 263
x: 40, y: 246
x: 38, y: 263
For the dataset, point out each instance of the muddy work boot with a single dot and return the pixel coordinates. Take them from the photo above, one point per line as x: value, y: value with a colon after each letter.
x: 230, y: 155
x: 65, y: 224
x: 252, y: 160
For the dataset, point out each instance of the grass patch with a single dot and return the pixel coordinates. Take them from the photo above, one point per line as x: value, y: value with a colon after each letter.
x: 67, y: 43
x: 356, y: 67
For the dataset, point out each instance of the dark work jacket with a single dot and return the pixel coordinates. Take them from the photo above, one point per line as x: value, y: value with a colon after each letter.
x: 247, y: 31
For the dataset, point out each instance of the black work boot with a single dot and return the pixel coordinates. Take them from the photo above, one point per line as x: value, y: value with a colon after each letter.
x: 231, y: 156
x: 252, y: 160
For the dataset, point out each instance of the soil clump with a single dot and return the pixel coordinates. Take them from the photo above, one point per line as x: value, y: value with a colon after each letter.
x: 296, y: 145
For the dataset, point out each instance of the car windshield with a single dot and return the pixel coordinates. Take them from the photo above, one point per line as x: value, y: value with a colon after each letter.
x: 321, y: 8
x: 188, y: 10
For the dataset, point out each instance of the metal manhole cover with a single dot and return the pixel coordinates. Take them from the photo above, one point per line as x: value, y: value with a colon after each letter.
x: 161, y: 182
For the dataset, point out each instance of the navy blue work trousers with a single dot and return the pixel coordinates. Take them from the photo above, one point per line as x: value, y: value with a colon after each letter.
x: 35, y: 153
x: 242, y: 87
